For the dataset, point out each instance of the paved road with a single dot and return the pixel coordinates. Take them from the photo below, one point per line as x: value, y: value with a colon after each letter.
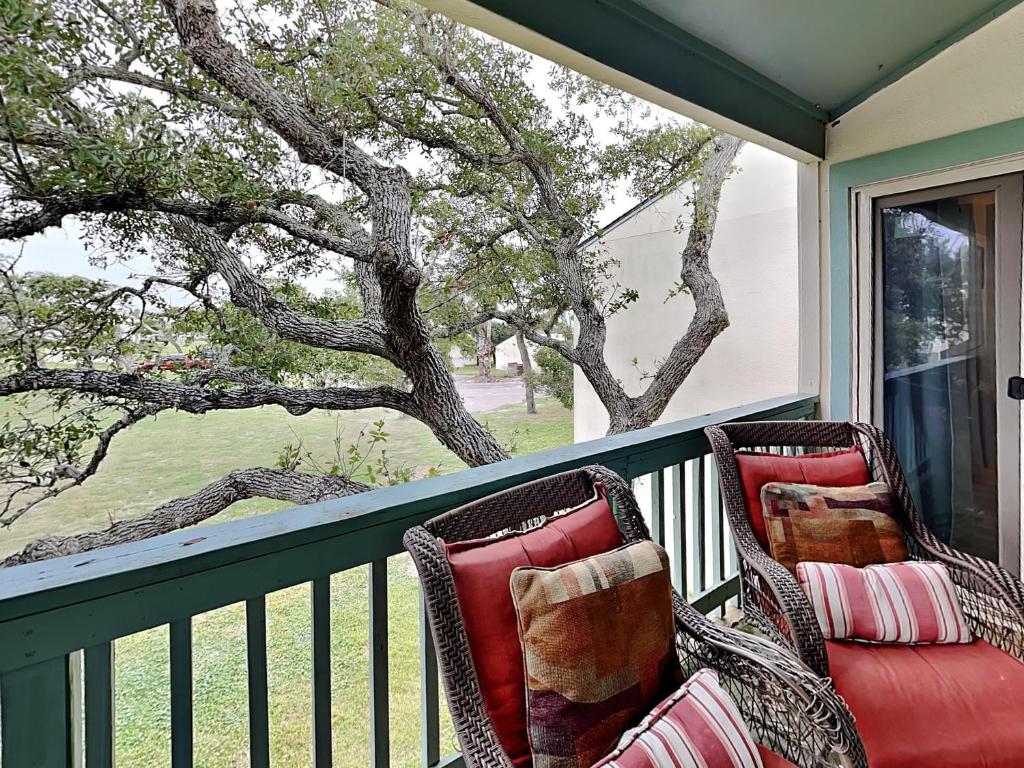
x: 480, y: 396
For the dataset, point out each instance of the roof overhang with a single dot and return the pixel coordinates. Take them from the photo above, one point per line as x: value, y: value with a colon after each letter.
x: 821, y: 60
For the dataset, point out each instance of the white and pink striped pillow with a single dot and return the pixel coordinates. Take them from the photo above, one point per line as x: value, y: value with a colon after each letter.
x: 696, y: 727
x: 891, y: 603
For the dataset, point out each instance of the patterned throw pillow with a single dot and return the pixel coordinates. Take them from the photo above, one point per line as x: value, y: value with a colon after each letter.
x: 598, y: 639
x: 698, y: 726
x: 853, y: 525
x: 894, y: 603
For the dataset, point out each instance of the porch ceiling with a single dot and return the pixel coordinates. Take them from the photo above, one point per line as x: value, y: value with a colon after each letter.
x: 781, y: 69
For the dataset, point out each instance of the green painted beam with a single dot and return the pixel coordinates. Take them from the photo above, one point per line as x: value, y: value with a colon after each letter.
x: 29, y: 589
x: 35, y: 702
x: 99, y: 706
x: 256, y: 669
x: 627, y: 37
x: 320, y: 601
x: 182, y: 727
x: 202, y: 570
x: 711, y: 599
x: 380, y: 699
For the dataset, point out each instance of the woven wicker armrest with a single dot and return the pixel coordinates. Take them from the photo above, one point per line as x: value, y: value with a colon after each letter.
x: 992, y: 597
x: 473, y: 725
x: 772, y: 599
x: 775, y: 604
x: 790, y: 708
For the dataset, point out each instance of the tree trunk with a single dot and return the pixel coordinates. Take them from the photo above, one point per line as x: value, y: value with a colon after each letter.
x: 528, y: 379
x: 484, y: 350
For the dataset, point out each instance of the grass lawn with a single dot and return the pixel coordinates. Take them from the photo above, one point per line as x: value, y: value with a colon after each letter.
x: 474, y: 370
x: 176, y: 454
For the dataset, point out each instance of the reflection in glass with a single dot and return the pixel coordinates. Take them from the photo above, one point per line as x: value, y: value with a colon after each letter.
x: 938, y: 316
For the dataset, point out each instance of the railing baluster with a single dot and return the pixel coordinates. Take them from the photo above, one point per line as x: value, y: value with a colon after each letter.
x: 256, y: 663
x: 718, y: 530
x: 181, y: 693
x: 99, y: 706
x: 430, y: 717
x: 321, y: 606
x: 380, y: 716
x: 76, y: 702
x: 658, y: 507
x: 679, y: 526
x: 35, y: 704
x: 699, y: 525
x: 717, y: 541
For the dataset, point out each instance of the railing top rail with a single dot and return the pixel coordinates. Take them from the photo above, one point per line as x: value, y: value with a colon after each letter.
x: 36, y: 587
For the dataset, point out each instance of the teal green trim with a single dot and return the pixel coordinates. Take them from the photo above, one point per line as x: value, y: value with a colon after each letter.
x: 632, y: 40
x: 968, y: 147
x: 99, y: 705
x: 380, y: 700
x: 256, y: 666
x: 715, y: 598
x: 61, y: 606
x: 71, y: 581
x: 973, y: 26
x: 320, y: 602
x: 182, y: 727
x: 36, y: 706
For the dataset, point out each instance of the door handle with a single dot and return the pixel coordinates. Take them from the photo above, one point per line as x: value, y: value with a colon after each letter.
x: 1015, y: 388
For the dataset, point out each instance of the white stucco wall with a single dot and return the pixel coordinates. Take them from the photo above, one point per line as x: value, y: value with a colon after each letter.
x: 508, y: 352
x: 973, y: 83
x: 753, y: 255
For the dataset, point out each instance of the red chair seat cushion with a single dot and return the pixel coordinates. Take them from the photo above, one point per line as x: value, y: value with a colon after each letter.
x: 832, y: 468
x: 772, y: 760
x: 917, y: 706
x: 481, y: 570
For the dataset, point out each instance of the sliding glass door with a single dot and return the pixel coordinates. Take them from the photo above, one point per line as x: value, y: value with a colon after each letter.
x: 947, y: 340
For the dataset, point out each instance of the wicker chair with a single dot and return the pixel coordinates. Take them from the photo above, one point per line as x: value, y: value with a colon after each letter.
x: 788, y: 708
x: 992, y: 598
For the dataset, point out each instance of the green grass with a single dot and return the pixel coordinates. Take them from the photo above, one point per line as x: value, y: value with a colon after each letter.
x: 474, y: 370
x: 175, y: 454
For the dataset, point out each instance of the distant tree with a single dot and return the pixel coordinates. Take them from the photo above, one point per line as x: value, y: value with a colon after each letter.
x: 556, y: 376
x: 529, y: 378
x: 248, y: 149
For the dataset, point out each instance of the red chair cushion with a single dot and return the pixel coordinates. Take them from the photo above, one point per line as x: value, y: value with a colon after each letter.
x: 832, y: 468
x: 954, y: 706
x: 771, y: 760
x: 481, y: 569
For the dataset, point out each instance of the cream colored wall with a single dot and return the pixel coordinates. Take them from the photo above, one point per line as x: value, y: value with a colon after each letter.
x: 973, y: 83
x: 754, y: 257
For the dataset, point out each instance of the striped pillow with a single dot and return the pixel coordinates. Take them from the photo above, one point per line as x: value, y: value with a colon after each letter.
x: 891, y: 603
x: 698, y: 726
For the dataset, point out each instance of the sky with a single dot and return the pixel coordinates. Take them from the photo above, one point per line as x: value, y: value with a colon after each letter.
x: 64, y: 251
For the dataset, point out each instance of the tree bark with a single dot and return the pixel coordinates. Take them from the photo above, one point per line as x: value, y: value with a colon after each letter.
x: 281, y: 484
x: 484, y: 350
x: 528, y: 379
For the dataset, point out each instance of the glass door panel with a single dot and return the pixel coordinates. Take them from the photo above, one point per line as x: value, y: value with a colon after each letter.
x: 950, y: 337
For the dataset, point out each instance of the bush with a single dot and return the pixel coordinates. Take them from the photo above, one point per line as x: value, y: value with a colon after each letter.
x: 555, y: 375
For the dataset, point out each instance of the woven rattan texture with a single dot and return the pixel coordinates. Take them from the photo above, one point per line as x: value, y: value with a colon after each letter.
x: 788, y: 707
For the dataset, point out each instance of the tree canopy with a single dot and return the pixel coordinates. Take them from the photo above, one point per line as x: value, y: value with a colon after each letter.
x: 444, y: 179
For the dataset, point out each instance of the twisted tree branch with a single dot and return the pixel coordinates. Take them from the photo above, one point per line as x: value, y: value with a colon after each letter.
x: 194, y: 398
x: 281, y: 484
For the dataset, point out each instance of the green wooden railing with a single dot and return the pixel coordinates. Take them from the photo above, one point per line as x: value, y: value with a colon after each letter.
x: 59, y: 619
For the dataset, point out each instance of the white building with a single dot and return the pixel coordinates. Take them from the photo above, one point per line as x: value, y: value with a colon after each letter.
x: 754, y: 257
x: 507, y: 353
